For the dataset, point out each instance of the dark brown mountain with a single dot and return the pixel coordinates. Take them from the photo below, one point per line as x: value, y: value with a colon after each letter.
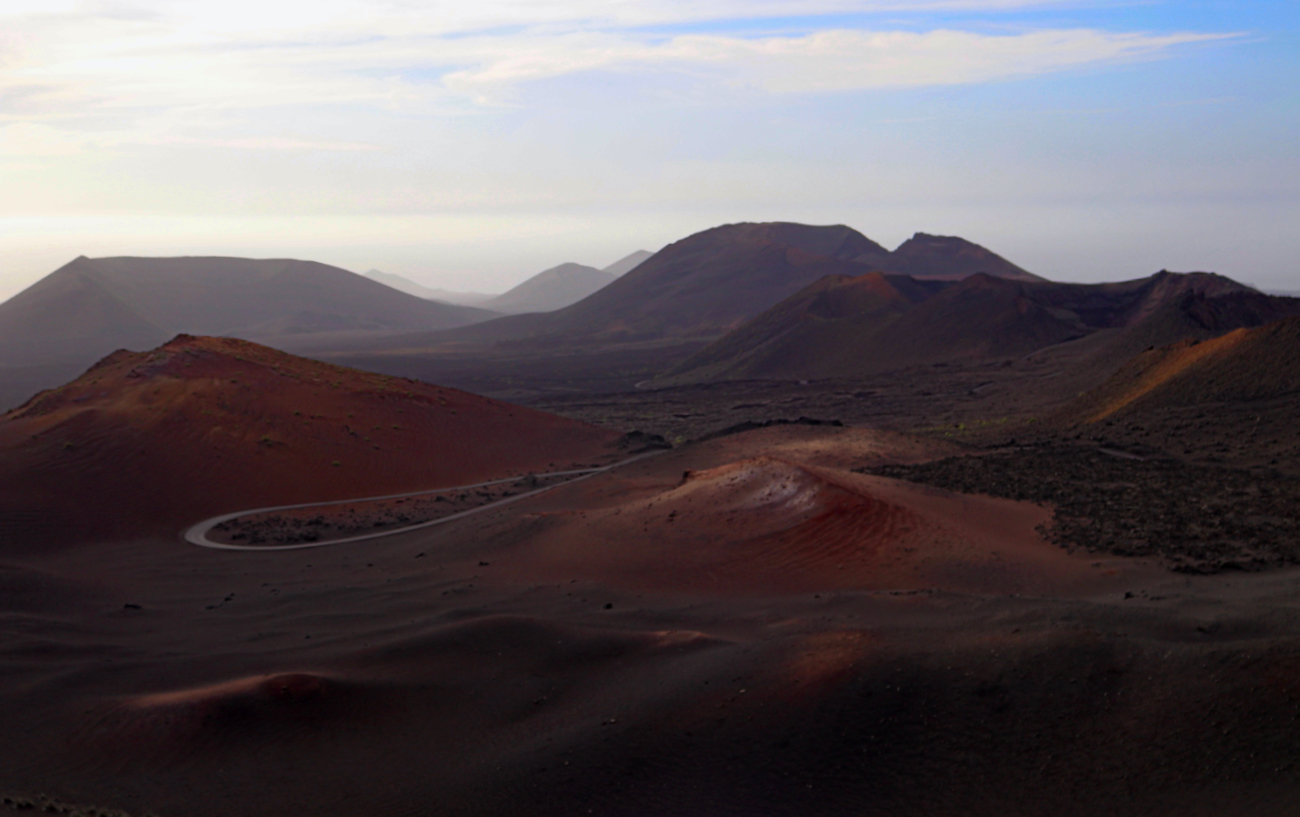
x: 979, y: 318
x: 702, y: 286
x: 948, y: 258
x: 710, y: 283
x: 808, y: 326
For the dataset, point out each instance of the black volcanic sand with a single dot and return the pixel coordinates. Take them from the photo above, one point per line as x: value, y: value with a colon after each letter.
x: 1201, y: 518
x: 401, y: 677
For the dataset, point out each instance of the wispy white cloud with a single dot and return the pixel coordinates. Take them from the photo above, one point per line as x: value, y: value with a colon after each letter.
x: 196, y: 59
x: 827, y: 61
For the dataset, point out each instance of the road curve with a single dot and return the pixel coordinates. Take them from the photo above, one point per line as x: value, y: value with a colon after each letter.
x: 198, y: 534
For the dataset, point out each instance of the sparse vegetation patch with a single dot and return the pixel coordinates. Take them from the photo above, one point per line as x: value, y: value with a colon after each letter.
x: 1202, y: 519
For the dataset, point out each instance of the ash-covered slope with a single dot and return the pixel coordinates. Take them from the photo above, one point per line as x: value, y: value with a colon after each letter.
x: 147, y: 442
x: 89, y: 307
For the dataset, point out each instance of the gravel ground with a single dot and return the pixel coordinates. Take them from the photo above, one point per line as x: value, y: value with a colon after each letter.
x: 1201, y: 519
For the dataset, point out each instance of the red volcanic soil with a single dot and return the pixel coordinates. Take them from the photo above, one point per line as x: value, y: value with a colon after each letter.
x: 775, y: 524
x: 149, y: 442
x: 588, y: 651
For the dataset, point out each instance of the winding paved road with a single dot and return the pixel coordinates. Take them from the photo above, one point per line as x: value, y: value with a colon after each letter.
x: 198, y: 534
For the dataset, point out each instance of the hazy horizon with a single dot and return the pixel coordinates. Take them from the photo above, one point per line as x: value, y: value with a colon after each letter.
x: 470, y: 148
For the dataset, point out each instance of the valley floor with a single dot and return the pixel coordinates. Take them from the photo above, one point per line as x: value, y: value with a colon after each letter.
x: 692, y: 634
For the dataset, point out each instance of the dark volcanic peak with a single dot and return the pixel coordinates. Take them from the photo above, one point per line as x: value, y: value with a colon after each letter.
x: 797, y: 331
x: 834, y: 241
x: 155, y: 440
x: 91, y: 306
x: 951, y: 258
x: 700, y: 286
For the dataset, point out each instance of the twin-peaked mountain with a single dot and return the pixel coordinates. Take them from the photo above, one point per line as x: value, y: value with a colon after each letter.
x: 710, y: 283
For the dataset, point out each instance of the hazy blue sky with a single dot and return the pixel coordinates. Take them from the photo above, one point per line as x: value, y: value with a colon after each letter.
x: 470, y: 144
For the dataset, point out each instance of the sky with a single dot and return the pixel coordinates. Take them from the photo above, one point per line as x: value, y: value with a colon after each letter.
x: 468, y: 145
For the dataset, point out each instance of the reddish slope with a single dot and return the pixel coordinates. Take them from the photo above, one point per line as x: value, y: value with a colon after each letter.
x: 768, y: 525
x: 1241, y: 366
x: 148, y: 442
x: 803, y: 327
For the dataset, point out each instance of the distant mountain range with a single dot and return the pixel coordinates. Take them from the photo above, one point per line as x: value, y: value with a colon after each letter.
x: 771, y: 300
x: 713, y: 281
x: 551, y: 289
x: 90, y: 307
x: 851, y: 326
x: 445, y: 295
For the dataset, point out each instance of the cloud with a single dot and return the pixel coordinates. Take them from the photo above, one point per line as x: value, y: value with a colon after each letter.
x: 201, y: 73
x: 826, y: 61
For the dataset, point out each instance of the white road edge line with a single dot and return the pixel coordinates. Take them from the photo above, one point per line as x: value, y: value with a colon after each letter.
x: 198, y: 534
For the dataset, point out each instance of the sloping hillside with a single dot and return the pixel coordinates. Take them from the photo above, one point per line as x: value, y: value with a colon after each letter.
x: 701, y: 286
x: 146, y: 442
x: 949, y: 258
x: 89, y: 307
x: 1244, y: 365
x: 979, y: 318
x: 551, y: 289
x: 628, y: 263
x: 410, y: 287
x: 807, y: 326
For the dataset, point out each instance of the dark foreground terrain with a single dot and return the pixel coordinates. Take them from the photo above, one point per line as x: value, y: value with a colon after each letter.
x: 1201, y: 519
x: 951, y: 591
x: 853, y: 645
